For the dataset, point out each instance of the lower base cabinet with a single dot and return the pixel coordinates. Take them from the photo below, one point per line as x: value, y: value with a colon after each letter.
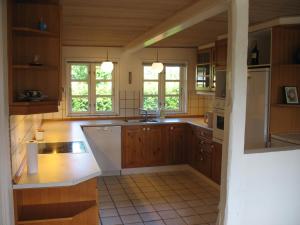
x: 170, y: 144
x: 143, y: 146
x: 216, y: 163
x: 74, y: 205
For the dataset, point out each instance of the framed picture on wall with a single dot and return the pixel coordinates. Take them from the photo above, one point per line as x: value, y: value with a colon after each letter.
x: 291, y: 95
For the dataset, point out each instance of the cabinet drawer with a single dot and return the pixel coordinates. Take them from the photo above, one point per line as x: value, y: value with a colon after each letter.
x: 202, y: 132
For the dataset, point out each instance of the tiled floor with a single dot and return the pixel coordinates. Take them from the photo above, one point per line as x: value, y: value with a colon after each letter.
x: 169, y: 198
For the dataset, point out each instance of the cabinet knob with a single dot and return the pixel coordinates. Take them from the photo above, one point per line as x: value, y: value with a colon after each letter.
x: 212, y: 146
x: 202, y: 133
x: 148, y: 128
x: 144, y: 128
x: 171, y: 128
x: 201, y: 158
x: 201, y: 150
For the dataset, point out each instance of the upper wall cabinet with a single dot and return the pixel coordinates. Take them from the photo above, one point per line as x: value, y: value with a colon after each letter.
x: 34, y: 56
x: 205, y: 71
x: 259, y: 48
x: 284, y: 115
x: 221, y: 54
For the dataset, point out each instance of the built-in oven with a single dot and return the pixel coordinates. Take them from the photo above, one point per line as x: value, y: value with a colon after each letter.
x: 218, y: 121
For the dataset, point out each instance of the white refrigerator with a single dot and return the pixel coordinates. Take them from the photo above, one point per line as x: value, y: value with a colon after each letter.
x: 257, y: 109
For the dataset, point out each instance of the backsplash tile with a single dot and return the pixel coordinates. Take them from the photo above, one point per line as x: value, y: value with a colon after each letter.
x: 22, y: 129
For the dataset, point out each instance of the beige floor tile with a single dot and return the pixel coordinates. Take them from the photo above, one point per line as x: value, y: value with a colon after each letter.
x: 168, y: 214
x: 141, y: 201
x: 108, y: 212
x: 157, y: 222
x: 127, y: 211
x: 163, y: 206
x: 120, y: 204
x: 169, y: 198
x: 145, y: 208
x: 205, y: 209
x: 159, y: 200
x: 186, y: 212
x: 148, y: 189
x: 150, y: 216
x: 131, y: 219
x: 105, y: 198
x: 173, y: 198
x: 179, y: 205
x: 195, y: 203
x: 106, y: 205
x: 176, y: 221
x: 111, y: 221
x: 134, y: 223
x: 193, y: 220
x: 121, y: 197
x: 211, y: 201
x: 162, y: 187
x: 209, y: 218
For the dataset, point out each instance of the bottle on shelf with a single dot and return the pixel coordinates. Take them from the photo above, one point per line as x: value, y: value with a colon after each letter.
x: 255, y: 55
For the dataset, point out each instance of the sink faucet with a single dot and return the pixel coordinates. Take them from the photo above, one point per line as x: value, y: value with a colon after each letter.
x: 145, y: 113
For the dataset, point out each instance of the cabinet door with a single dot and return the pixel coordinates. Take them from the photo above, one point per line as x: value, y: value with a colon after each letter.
x: 176, y: 151
x: 204, y: 157
x: 221, y: 54
x: 154, y: 146
x: 216, y: 162
x: 133, y: 147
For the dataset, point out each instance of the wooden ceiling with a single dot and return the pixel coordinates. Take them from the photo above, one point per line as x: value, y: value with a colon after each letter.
x: 113, y: 22
x: 117, y: 22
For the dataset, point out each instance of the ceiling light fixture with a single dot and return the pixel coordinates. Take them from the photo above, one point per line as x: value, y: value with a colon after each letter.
x: 107, y: 66
x: 157, y: 66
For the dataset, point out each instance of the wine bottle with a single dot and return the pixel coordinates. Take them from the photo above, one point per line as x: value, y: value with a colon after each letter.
x: 255, y: 55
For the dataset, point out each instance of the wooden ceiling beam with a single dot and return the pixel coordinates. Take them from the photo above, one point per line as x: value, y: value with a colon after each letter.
x: 196, y: 13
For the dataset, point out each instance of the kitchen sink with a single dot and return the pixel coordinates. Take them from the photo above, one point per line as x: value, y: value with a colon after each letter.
x: 143, y: 121
x: 61, y: 147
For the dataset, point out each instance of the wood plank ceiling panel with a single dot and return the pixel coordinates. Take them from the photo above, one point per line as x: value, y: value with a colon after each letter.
x: 117, y: 22
x: 113, y: 23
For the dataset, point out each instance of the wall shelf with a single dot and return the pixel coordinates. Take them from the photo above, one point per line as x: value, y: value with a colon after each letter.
x: 287, y: 105
x: 34, y: 32
x: 31, y: 67
x: 52, y: 212
x: 26, y: 107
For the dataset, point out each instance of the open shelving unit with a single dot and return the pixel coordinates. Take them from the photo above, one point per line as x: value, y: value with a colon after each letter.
x: 68, y: 205
x: 285, y: 41
x: 26, y: 42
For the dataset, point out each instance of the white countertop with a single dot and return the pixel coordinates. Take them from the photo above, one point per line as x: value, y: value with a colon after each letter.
x: 66, y: 169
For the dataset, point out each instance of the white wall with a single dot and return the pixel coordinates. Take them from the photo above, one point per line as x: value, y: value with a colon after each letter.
x: 258, y: 188
x: 6, y: 209
x: 272, y: 188
x: 197, y: 105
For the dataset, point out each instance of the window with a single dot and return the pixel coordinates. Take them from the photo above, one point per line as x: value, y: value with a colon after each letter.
x: 166, y: 89
x: 91, y: 91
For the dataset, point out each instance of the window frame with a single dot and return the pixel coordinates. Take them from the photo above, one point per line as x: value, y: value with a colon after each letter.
x: 162, y: 87
x: 92, y: 90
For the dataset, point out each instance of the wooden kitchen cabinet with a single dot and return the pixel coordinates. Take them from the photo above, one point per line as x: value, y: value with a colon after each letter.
x: 133, y: 151
x: 154, y: 145
x: 221, y: 54
x: 216, y: 162
x: 176, y: 143
x: 143, y: 146
x: 72, y: 205
x: 34, y: 56
x: 200, y: 150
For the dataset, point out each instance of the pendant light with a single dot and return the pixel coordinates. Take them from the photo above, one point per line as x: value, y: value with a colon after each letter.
x: 107, y: 66
x: 157, y: 66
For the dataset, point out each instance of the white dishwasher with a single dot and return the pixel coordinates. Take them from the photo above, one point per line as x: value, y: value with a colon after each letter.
x: 105, y: 142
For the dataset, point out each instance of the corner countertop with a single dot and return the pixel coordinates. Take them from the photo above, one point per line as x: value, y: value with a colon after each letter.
x: 67, y: 169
